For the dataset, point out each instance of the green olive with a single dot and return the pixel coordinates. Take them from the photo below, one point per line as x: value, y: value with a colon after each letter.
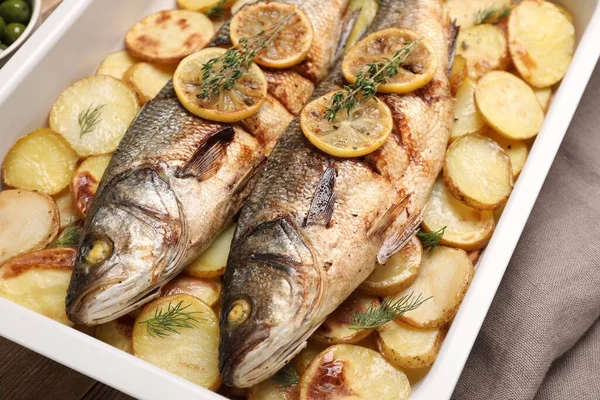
x: 13, y: 32
x: 15, y: 11
x: 2, y: 28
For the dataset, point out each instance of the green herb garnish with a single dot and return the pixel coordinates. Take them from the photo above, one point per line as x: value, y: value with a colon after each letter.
x: 490, y: 15
x: 286, y: 376
x: 89, y: 119
x: 218, y: 11
x: 165, y: 323
x: 389, y: 310
x: 431, y: 240
x: 70, y: 236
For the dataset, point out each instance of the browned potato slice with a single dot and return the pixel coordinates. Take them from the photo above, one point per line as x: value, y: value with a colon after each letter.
x: 345, y: 371
x: 467, y: 118
x: 509, y: 105
x: 478, y: 172
x: 458, y: 73
x: 466, y: 227
x: 67, y: 211
x: 39, y: 281
x: 544, y: 96
x: 42, y: 161
x: 517, y: 151
x: 116, y: 64
x: 193, y: 352
x: 399, y: 272
x: 445, y: 277
x: 29, y: 221
x: 117, y: 333
x: 207, y: 290
x: 212, y: 262
x: 409, y: 347
x: 485, y: 49
x: 168, y: 36
x: 306, y: 356
x: 86, y: 180
x: 467, y: 13
x: 541, y: 42
x: 148, y: 79
x: 337, y: 328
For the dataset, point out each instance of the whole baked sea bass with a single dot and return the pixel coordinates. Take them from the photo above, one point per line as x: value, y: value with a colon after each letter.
x: 176, y: 181
x: 314, y: 225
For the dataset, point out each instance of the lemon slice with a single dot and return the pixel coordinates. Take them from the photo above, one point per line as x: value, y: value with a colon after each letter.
x: 243, y: 100
x: 416, y: 71
x: 357, y: 133
x: 286, y: 29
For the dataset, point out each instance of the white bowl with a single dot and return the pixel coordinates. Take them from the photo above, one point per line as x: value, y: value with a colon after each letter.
x: 34, y: 22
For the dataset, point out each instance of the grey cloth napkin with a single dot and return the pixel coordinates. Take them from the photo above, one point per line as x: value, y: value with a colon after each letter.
x: 541, y: 338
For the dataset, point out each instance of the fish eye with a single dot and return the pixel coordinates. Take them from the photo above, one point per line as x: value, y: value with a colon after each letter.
x: 100, y: 251
x: 239, y: 312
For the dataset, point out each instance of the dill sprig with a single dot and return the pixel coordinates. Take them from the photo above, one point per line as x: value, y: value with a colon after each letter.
x: 431, y: 240
x: 69, y: 237
x: 389, y: 310
x: 367, y: 82
x: 165, y: 323
x: 286, y: 376
x: 235, y: 62
x: 89, y: 118
x: 218, y: 11
x: 490, y: 15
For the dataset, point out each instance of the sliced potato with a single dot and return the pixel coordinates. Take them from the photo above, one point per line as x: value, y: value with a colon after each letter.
x: 544, y: 96
x: 474, y: 257
x: 116, y: 64
x: 445, y: 277
x: 193, y: 353
x: 337, y: 328
x: 541, y: 40
x: 485, y: 49
x: 42, y: 161
x: 39, y: 281
x: 466, y: 227
x: 148, y: 79
x: 94, y: 113
x: 305, y: 357
x: 212, y: 262
x: 204, y: 6
x: 458, y: 73
x: 345, y: 371
x: 409, y: 347
x: 416, y: 375
x: 478, y: 172
x: 66, y: 209
x: 399, y: 272
x: 168, y: 36
x: 86, y: 179
x: 272, y: 390
x: 29, y: 221
x: 467, y: 118
x: 467, y: 13
x: 117, y: 333
x: 207, y: 290
x: 517, y: 151
x: 509, y: 105
x: 565, y: 12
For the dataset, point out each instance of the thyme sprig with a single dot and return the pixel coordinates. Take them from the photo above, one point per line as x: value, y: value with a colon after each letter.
x: 490, y: 15
x: 69, y: 237
x: 431, y: 240
x: 163, y: 323
x: 389, y: 310
x: 89, y: 118
x: 367, y: 82
x: 286, y: 376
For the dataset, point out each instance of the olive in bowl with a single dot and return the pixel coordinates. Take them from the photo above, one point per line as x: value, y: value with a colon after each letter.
x: 18, y: 19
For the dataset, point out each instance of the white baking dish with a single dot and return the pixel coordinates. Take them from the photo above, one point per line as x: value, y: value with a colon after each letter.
x: 70, y: 45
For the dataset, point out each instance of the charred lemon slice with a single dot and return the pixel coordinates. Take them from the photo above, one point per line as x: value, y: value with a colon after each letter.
x: 356, y: 133
x: 241, y: 100
x: 417, y: 69
x: 283, y: 30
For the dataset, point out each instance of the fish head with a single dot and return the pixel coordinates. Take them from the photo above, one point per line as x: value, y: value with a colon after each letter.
x: 130, y: 248
x: 268, y: 313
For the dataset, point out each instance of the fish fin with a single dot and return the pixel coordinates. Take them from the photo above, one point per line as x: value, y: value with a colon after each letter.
x: 243, y: 182
x: 453, y: 31
x: 388, y: 218
x: 207, y: 160
x: 398, y: 239
x: 348, y: 22
x: 321, y: 207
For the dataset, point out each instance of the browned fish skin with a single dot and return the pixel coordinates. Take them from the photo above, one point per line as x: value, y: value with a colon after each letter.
x: 314, y: 226
x: 290, y: 88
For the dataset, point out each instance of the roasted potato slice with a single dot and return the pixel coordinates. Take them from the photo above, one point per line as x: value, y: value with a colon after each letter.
x: 117, y: 333
x: 305, y: 357
x: 445, y: 277
x: 204, y: 6
x: 544, y: 96
x: 39, y: 281
x: 148, y: 79
x: 478, y: 172
x: 282, y: 386
x: 94, y: 113
x: 29, y: 221
x: 458, y: 73
x: 66, y: 209
x: 399, y: 272
x: 86, y: 180
x: 340, y: 372
x: 169, y: 36
x: 207, y: 290
x: 409, y: 347
x: 467, y: 118
x: 42, y: 161
x: 467, y: 13
x: 116, y: 64
x: 485, y: 49
x: 212, y: 262
x: 337, y: 328
x: 541, y: 40
x: 517, y: 151
x: 466, y: 227
x: 192, y: 353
